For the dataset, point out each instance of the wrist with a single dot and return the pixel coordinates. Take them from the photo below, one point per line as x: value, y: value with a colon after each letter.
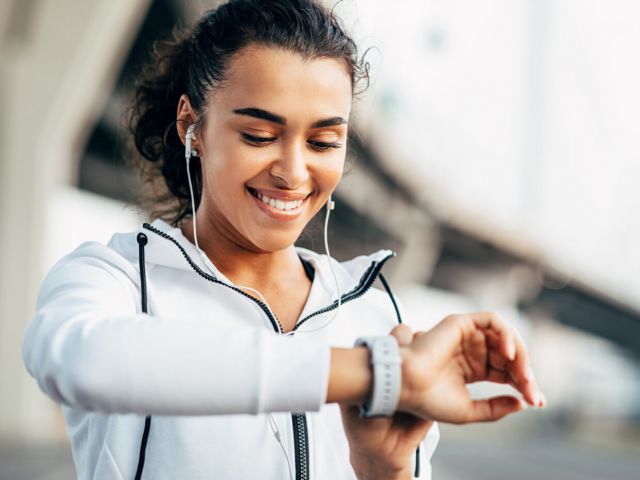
x: 350, y: 376
x: 407, y: 394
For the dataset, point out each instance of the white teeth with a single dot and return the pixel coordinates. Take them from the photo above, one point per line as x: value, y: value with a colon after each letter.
x: 279, y: 204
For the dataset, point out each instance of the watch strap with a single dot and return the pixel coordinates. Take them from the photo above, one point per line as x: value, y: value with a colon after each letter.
x: 387, y: 376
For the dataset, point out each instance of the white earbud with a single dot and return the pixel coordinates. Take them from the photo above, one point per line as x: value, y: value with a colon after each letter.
x: 188, y: 151
x: 331, y: 205
x: 187, y: 155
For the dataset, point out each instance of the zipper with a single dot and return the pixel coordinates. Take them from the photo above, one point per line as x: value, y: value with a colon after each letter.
x: 275, y: 323
x: 299, y: 420
x: 301, y: 444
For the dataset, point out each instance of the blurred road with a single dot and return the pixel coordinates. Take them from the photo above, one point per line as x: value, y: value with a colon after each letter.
x: 36, y: 463
x: 540, y: 458
x: 460, y: 456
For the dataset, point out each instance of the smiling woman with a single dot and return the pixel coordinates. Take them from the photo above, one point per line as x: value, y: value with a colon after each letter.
x: 191, y: 318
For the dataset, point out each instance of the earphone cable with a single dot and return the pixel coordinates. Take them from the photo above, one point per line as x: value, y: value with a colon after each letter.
x: 333, y: 273
x: 199, y: 250
x: 276, y: 433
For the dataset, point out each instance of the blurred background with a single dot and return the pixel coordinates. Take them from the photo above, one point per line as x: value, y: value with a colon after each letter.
x: 496, y: 152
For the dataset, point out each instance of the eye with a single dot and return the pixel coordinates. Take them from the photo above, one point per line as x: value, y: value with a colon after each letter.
x: 256, y: 141
x: 323, y: 146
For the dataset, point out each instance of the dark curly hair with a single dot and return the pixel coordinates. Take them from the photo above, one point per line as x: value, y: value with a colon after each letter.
x: 194, y: 61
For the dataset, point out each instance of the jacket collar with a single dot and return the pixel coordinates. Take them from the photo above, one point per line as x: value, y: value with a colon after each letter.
x: 168, y: 247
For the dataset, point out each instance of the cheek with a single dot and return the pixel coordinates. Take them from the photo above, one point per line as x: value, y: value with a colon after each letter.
x: 329, y: 174
x: 228, y: 167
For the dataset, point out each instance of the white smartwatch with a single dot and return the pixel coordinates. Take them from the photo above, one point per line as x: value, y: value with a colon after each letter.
x: 387, y: 376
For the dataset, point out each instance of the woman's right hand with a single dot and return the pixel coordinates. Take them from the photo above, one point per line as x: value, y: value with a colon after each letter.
x: 463, y: 349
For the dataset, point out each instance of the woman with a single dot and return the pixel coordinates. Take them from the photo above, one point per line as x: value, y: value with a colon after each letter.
x: 211, y: 346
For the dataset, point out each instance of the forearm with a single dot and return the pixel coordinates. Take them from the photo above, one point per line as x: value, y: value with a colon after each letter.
x: 350, y: 376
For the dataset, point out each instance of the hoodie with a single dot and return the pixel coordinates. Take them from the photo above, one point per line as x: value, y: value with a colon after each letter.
x: 175, y: 343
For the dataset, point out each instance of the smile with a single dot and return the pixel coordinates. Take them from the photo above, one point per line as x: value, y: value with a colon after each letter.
x: 287, y: 207
x: 277, y: 203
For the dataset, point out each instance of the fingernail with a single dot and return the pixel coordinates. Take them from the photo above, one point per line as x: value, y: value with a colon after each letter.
x: 512, y: 352
x: 539, y: 400
x: 543, y: 400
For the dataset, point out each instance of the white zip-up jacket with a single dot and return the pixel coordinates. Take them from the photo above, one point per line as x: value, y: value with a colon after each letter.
x: 207, y: 363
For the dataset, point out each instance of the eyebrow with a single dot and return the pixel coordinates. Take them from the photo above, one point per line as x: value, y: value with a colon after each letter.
x: 329, y: 122
x: 272, y: 117
x: 262, y: 114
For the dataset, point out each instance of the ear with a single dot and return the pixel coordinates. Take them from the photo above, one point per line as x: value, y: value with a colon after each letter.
x: 185, y: 117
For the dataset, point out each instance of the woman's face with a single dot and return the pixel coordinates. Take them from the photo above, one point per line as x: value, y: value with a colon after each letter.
x: 273, y: 145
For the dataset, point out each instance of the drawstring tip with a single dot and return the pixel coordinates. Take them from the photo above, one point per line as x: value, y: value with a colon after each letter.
x: 142, y: 239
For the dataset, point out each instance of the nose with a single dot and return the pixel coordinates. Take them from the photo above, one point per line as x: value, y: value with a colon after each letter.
x: 290, y: 169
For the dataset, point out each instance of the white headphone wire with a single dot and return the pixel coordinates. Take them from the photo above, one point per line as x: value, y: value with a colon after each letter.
x: 330, y: 206
x: 276, y: 433
x: 199, y: 250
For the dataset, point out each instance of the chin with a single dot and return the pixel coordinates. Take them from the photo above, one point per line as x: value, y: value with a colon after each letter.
x: 274, y: 241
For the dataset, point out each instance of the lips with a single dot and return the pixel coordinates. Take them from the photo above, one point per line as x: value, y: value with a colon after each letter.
x: 281, y: 201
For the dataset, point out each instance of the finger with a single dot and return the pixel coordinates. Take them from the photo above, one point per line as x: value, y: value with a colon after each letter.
x: 529, y: 389
x: 501, y: 335
x: 522, y: 374
x: 499, y: 376
x: 497, y: 360
x: 509, y: 342
x: 494, y: 323
x: 475, y: 350
x: 495, y: 356
x: 518, y: 368
x: 403, y: 334
x: 492, y: 409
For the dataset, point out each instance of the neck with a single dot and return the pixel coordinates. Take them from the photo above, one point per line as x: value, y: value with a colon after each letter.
x: 241, y: 264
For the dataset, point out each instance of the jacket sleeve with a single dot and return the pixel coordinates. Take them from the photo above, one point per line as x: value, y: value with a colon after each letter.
x: 89, y: 347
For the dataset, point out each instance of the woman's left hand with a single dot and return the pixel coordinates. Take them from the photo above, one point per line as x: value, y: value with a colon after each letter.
x: 383, y: 447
